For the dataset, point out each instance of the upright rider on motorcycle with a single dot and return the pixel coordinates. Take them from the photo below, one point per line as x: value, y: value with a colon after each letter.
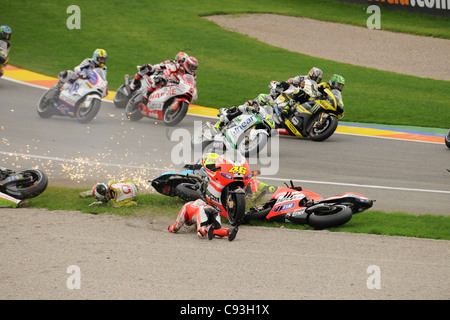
x: 98, y: 60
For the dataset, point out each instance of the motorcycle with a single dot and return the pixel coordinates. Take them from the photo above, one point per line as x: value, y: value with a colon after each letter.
x: 316, y: 118
x: 169, y: 103
x: 124, y: 93
x: 447, y: 139
x: 24, y: 184
x: 294, y: 205
x: 4, y: 55
x: 247, y: 133
x: 220, y: 181
x: 80, y: 99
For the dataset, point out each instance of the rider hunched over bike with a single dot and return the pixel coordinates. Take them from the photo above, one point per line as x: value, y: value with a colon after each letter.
x: 299, y: 96
x: 5, y: 35
x: 98, y: 60
x: 171, y: 70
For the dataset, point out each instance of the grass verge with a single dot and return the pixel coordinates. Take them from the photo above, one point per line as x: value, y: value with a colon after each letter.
x: 370, y: 222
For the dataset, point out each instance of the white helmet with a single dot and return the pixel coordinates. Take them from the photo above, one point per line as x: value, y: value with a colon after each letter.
x: 100, y: 191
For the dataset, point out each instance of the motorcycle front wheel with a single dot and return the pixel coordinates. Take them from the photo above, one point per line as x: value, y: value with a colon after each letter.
x: 327, y: 216
x: 28, y: 188
x: 132, y: 108
x: 86, y: 113
x: 45, y: 104
x: 121, y: 97
x: 251, y: 147
x: 235, y: 207
x: 321, y: 132
x: 173, y: 117
x: 447, y: 139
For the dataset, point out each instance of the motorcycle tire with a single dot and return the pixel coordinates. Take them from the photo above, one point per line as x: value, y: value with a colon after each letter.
x: 327, y: 216
x: 328, y: 129
x: 44, y: 107
x: 198, y: 139
x: 132, y: 109
x: 121, y: 97
x: 261, y: 141
x: 187, y: 192
x: 447, y: 139
x: 85, y: 115
x: 28, y: 189
x: 235, y: 207
x: 172, y: 118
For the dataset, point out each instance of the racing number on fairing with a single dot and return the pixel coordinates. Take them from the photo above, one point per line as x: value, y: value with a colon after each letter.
x: 238, y: 170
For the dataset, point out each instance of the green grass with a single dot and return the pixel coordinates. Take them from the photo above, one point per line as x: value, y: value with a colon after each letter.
x: 155, y: 205
x: 233, y: 68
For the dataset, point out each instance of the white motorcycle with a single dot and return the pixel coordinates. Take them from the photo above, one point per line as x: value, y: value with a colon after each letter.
x: 80, y: 99
x: 247, y: 133
x: 169, y: 103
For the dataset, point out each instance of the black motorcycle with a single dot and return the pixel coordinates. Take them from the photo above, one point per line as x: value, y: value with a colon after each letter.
x: 24, y: 184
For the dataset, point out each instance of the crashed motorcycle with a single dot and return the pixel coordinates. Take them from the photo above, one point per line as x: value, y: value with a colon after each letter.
x: 169, y: 103
x: 219, y: 180
x: 316, y: 118
x: 247, y: 133
x: 23, y: 184
x: 80, y: 99
x: 4, y: 55
x: 294, y: 205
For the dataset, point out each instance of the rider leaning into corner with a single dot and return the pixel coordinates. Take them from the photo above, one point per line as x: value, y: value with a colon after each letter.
x: 5, y: 36
x: 206, y: 219
x: 98, y: 60
x: 169, y: 70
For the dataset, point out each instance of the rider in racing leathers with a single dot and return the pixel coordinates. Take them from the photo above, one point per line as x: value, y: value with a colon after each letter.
x: 98, y: 60
x: 298, y: 96
x: 123, y: 193
x: 148, y: 69
x: 206, y: 218
x: 5, y: 36
x: 172, y: 71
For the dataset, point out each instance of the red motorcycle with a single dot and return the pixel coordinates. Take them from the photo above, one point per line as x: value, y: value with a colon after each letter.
x: 295, y: 205
x: 222, y: 184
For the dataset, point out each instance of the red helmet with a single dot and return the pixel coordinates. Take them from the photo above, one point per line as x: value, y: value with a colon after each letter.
x: 181, y: 57
x: 190, y: 65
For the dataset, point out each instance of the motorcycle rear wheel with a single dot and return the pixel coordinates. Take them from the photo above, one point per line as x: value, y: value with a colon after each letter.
x: 87, y: 114
x: 187, y: 192
x: 447, y: 139
x: 235, y: 207
x: 121, y: 97
x: 326, y: 130
x: 173, y: 117
x: 44, y: 107
x: 132, y: 108
x: 327, y: 216
x: 252, y: 148
x: 28, y: 189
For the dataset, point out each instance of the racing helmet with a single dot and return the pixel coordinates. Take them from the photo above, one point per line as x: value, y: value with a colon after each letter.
x: 337, y: 82
x: 100, y: 190
x: 100, y: 56
x: 315, y: 74
x: 190, y: 65
x: 5, y: 33
x: 181, y: 57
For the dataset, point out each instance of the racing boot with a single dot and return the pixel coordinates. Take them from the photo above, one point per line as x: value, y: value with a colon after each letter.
x: 222, y: 232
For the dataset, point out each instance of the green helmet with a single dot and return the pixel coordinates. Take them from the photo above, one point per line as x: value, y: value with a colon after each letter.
x: 337, y: 82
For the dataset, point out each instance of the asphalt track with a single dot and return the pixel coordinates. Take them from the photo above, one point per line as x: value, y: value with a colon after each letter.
x: 136, y: 258
x: 402, y: 170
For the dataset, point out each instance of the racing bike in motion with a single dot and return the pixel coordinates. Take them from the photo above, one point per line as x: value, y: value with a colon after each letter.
x: 80, y: 99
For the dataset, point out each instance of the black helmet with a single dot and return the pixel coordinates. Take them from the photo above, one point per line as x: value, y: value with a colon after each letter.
x: 100, y: 191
